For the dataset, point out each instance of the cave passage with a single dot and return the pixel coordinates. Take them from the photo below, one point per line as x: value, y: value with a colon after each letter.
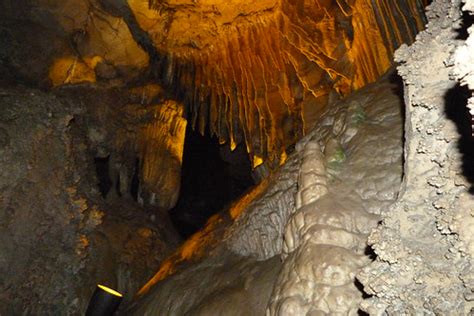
x: 211, y: 177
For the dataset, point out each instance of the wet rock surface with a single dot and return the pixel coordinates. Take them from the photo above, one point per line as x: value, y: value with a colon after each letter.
x: 315, y: 245
x: 350, y: 172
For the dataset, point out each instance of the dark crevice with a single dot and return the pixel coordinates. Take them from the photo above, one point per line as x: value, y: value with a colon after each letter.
x: 103, y: 175
x: 467, y: 21
x: 360, y: 287
x: 135, y: 183
x: 369, y: 252
x: 456, y: 110
x: 117, y: 186
x: 211, y: 178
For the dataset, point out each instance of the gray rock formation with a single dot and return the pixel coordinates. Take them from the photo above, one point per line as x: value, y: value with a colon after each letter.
x: 340, y: 195
x: 424, y: 244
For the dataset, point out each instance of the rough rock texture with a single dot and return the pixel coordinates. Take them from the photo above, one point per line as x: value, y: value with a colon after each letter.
x: 259, y: 73
x: 349, y: 173
x: 256, y: 73
x: 322, y: 242
x: 264, y: 71
x: 464, y: 72
x: 68, y: 42
x: 58, y: 237
x: 160, y: 147
x: 139, y: 135
x: 257, y: 232
x: 424, y: 244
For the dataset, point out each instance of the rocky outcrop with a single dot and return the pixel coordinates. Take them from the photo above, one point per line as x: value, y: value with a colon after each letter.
x: 315, y: 222
x: 424, y: 253
x: 342, y: 190
x: 265, y: 71
x: 58, y: 237
x: 259, y: 74
x: 258, y: 229
x: 68, y: 42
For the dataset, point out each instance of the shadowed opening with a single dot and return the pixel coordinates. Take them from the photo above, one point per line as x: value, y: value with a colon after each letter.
x: 212, y: 176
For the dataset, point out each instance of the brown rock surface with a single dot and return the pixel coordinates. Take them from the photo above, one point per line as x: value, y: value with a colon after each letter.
x: 58, y: 237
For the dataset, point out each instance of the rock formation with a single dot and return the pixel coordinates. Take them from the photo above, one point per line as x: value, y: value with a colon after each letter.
x: 58, y: 237
x: 364, y: 197
x: 258, y: 74
x: 424, y: 244
x: 319, y: 235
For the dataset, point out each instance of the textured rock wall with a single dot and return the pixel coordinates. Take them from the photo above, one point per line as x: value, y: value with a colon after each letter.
x: 45, y: 219
x: 141, y: 134
x: 348, y: 175
x: 463, y: 60
x: 349, y: 179
x: 254, y: 73
x: 423, y: 247
x: 161, y: 147
x: 68, y: 42
x: 307, y: 228
x: 257, y: 231
x: 262, y: 73
x: 58, y: 237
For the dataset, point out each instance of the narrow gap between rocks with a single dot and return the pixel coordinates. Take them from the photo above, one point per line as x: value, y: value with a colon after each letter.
x: 211, y: 177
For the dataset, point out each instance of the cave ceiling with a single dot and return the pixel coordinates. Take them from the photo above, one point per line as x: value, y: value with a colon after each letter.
x: 253, y: 72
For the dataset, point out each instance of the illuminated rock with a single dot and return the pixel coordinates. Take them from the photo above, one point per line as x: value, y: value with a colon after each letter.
x: 261, y: 73
x: 69, y: 42
x: 321, y: 243
x: 423, y: 247
x: 258, y: 73
x: 161, y: 144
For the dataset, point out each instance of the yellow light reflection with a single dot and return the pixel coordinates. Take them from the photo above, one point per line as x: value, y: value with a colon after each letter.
x: 109, y: 290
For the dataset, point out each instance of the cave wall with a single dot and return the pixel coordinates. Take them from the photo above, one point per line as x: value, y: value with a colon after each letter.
x: 259, y: 74
x: 67, y: 42
x: 58, y: 236
x: 252, y: 74
x: 141, y: 134
x: 416, y: 215
x: 424, y: 244
x: 298, y: 239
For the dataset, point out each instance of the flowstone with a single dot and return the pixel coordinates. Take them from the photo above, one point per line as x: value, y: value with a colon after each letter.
x: 345, y: 181
x: 305, y: 235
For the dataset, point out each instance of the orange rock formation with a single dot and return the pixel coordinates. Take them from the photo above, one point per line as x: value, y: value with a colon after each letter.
x: 261, y: 72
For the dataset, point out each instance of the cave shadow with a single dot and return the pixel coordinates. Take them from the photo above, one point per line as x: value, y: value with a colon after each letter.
x: 211, y: 179
x: 398, y: 89
x: 467, y: 21
x: 456, y: 110
x: 455, y: 102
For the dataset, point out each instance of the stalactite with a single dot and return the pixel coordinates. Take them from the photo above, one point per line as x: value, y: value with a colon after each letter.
x: 260, y: 73
x: 160, y: 144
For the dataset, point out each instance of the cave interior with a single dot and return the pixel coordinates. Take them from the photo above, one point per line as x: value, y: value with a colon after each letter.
x: 210, y: 157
